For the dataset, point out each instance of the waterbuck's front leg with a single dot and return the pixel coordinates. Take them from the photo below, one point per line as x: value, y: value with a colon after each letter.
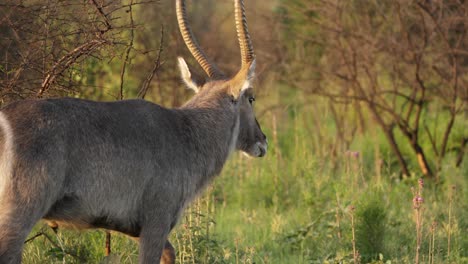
x: 152, y: 242
x: 168, y: 254
x: 153, y: 235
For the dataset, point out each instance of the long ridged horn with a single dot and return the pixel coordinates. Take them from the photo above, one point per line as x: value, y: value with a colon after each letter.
x: 192, y: 44
x: 247, y: 52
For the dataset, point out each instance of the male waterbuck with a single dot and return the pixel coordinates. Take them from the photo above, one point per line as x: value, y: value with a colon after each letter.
x: 129, y: 166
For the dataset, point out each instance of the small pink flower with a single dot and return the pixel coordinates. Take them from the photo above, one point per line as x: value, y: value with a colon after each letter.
x: 421, y: 183
x: 417, y: 201
x: 354, y: 154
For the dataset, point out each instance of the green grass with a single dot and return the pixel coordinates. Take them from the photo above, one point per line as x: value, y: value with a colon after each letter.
x: 293, y: 206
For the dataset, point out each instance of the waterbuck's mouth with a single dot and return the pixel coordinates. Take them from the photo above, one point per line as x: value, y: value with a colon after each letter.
x: 260, y: 149
x: 256, y: 151
x: 263, y: 149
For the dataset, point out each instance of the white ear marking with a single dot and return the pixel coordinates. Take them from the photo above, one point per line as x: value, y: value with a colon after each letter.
x: 251, y: 72
x: 250, y: 76
x: 186, y: 75
x: 245, y: 85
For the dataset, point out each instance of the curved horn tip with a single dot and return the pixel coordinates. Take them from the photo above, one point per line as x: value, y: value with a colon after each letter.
x: 190, y: 41
x: 245, y: 43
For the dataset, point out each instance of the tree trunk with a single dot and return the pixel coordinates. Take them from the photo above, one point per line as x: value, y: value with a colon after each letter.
x: 461, y: 153
x: 422, y: 161
x: 413, y: 138
x: 388, y: 131
x: 396, y: 150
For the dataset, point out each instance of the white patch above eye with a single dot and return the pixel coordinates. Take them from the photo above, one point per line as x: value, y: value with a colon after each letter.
x: 186, y: 75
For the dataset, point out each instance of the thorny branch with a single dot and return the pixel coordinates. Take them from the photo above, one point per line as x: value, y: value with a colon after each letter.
x: 46, y: 46
x: 66, y: 61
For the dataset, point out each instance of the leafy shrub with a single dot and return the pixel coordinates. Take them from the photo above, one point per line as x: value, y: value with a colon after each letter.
x: 370, y: 226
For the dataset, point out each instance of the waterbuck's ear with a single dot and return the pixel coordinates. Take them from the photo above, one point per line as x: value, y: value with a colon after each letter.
x: 187, y: 76
x: 243, y: 79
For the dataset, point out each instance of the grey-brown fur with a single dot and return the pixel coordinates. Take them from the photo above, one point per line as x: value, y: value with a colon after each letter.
x: 129, y: 166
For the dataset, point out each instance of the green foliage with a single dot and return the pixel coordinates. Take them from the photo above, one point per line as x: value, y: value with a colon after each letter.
x: 371, y: 226
x: 193, y: 240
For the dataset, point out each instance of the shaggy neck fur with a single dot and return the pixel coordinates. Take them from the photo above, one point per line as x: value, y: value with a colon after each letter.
x: 214, y: 117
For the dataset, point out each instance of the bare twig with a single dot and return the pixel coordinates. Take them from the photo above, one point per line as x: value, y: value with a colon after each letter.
x: 128, y: 50
x: 104, y: 15
x: 34, y: 237
x: 157, y: 64
x: 54, y: 244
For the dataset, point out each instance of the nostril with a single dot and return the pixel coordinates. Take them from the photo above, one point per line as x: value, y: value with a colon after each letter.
x: 262, y: 152
x: 264, y: 137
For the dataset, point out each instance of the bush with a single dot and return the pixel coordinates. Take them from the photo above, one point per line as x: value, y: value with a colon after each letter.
x: 370, y: 227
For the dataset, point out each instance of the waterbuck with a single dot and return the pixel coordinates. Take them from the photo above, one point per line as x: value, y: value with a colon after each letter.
x: 129, y: 166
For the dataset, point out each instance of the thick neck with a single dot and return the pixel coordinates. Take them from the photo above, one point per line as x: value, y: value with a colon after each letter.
x: 214, y: 128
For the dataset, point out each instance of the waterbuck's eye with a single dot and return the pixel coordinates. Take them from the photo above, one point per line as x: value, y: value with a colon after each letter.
x: 251, y: 99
